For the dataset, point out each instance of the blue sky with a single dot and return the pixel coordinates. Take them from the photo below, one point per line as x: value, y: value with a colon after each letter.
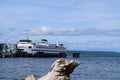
x: 78, y: 24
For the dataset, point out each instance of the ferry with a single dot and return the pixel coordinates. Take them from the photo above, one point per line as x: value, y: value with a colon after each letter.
x: 41, y: 48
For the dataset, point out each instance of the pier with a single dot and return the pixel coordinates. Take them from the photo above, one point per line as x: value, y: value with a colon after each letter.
x: 26, y: 55
x: 76, y: 54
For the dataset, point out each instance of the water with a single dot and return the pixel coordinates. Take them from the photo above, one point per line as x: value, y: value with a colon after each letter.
x: 90, y: 68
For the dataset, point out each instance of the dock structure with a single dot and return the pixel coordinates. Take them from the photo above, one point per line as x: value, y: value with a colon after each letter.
x: 76, y: 55
x: 3, y: 49
x: 26, y: 55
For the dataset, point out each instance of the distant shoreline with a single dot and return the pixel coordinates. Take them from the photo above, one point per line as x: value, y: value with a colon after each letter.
x: 95, y: 53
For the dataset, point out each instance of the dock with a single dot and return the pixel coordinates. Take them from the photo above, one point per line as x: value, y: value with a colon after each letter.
x: 26, y: 55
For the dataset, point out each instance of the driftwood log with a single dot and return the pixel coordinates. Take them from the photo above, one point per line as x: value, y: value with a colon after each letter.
x: 60, y: 70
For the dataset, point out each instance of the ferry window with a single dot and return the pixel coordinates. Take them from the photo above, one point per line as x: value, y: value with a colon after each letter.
x: 30, y: 47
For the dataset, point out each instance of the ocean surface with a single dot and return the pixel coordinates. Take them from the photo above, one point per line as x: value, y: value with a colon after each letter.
x: 97, y: 66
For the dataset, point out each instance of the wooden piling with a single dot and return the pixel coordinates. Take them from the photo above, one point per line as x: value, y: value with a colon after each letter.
x: 76, y: 55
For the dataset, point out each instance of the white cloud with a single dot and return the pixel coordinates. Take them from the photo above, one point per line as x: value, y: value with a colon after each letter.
x: 66, y: 31
x: 44, y: 30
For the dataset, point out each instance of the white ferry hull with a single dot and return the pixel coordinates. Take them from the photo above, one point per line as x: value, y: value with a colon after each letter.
x: 41, y: 49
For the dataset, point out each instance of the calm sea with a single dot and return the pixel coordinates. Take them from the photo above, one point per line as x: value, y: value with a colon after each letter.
x: 92, y: 67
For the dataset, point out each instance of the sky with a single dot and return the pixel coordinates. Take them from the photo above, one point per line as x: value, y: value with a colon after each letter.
x: 88, y: 25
